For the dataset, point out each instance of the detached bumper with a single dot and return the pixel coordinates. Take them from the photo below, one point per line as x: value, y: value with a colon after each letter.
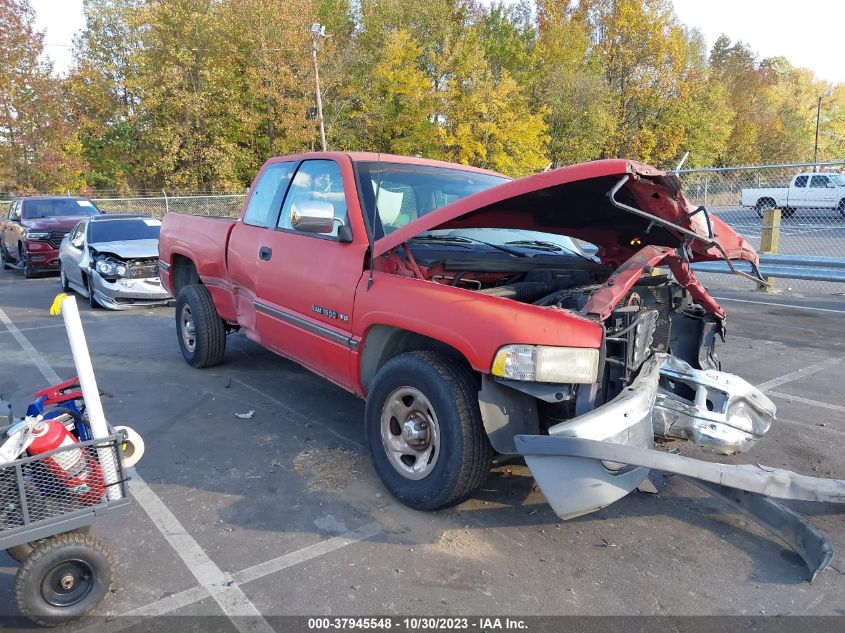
x: 591, y: 461
x: 573, y: 485
x: 725, y: 414
x: 124, y: 294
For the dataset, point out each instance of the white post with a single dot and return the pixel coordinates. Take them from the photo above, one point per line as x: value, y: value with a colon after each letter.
x: 90, y: 393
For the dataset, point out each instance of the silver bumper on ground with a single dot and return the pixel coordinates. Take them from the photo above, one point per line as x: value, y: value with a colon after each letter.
x: 574, y: 486
x: 589, y: 462
x: 728, y: 415
x: 123, y: 294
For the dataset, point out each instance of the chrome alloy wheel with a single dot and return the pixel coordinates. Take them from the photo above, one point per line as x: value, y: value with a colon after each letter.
x: 410, y: 433
x: 187, y: 328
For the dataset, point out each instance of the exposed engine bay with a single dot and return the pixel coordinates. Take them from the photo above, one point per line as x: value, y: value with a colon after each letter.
x: 657, y: 315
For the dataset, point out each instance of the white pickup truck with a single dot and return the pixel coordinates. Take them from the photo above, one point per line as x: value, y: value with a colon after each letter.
x: 806, y: 191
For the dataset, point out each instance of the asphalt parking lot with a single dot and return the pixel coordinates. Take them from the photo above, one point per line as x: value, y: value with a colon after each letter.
x: 281, y: 514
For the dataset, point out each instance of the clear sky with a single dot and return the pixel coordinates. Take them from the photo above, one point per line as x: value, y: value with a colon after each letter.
x: 808, y: 35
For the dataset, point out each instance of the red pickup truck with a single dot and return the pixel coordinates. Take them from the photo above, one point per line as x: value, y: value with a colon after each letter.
x: 461, y: 305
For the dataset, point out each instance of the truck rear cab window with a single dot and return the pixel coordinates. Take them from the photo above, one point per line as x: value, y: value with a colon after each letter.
x: 317, y: 180
x: 801, y: 181
x: 267, y: 194
x: 818, y: 182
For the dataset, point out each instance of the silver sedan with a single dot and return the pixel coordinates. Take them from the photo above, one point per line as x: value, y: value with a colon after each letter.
x: 113, y: 261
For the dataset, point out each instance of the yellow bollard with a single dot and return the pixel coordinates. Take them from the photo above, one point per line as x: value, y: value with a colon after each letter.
x: 770, y: 240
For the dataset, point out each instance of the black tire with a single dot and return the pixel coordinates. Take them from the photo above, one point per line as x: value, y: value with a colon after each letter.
x: 762, y: 205
x: 787, y: 212
x: 82, y: 563
x: 20, y: 552
x: 205, y: 346
x: 465, y: 454
x: 29, y: 271
x: 92, y: 301
x: 841, y: 207
x: 63, y: 278
x: 4, y: 259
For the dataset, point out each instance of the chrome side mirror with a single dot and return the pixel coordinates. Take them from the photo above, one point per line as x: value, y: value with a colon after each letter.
x: 314, y: 216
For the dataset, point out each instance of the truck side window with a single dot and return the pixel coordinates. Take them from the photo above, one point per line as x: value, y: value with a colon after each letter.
x: 267, y: 194
x: 316, y: 180
x: 818, y: 181
x: 801, y: 181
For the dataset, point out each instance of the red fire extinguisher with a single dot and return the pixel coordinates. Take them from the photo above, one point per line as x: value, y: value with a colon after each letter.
x: 75, y: 468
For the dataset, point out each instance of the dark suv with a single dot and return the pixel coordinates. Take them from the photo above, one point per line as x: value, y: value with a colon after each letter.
x: 34, y: 228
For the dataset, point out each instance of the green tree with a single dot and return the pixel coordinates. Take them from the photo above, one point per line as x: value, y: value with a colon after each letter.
x: 39, y: 150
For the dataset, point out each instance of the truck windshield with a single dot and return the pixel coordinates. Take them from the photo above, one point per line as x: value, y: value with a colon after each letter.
x: 123, y: 230
x: 57, y: 207
x: 407, y: 192
x: 839, y: 179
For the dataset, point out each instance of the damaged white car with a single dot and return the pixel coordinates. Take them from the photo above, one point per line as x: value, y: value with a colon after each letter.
x: 113, y: 261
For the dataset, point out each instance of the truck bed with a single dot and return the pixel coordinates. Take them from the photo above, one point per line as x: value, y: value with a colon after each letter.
x: 202, y: 239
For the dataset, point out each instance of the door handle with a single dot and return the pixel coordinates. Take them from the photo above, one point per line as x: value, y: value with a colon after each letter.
x: 265, y: 253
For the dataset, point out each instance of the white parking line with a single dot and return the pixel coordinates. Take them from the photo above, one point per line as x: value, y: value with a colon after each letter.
x: 219, y: 585
x: 815, y: 403
x: 780, y: 305
x: 306, y: 553
x: 230, y: 598
x: 799, y: 373
x: 38, y: 327
x: 191, y: 596
x: 34, y: 355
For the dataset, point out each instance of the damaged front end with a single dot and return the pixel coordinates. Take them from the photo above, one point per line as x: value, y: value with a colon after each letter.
x: 120, y: 283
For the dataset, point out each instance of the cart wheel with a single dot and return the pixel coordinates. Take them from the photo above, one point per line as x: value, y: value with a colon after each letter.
x: 20, y: 552
x: 63, y: 579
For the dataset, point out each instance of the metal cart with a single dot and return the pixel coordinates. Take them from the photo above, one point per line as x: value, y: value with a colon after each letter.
x: 47, y: 504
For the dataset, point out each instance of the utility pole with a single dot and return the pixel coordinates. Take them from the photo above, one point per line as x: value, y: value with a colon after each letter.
x: 826, y: 93
x: 318, y: 31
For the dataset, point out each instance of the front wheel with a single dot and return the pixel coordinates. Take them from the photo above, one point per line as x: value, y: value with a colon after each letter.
x: 201, y: 331
x: 92, y: 300
x: 29, y: 271
x: 63, y: 579
x: 424, y: 430
x: 63, y: 278
x: 4, y: 259
x: 841, y: 207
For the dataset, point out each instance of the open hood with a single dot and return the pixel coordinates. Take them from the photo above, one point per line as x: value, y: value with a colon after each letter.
x: 577, y: 201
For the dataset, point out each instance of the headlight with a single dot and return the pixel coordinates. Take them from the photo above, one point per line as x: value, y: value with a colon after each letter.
x: 110, y: 268
x: 541, y: 363
x: 106, y: 267
x: 36, y: 235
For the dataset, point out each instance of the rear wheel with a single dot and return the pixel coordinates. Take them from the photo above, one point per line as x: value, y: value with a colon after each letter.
x: 762, y: 205
x: 201, y: 331
x: 424, y: 430
x: 841, y: 207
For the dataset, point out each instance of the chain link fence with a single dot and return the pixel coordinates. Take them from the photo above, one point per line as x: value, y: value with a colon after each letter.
x: 811, y: 198
x: 220, y: 205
